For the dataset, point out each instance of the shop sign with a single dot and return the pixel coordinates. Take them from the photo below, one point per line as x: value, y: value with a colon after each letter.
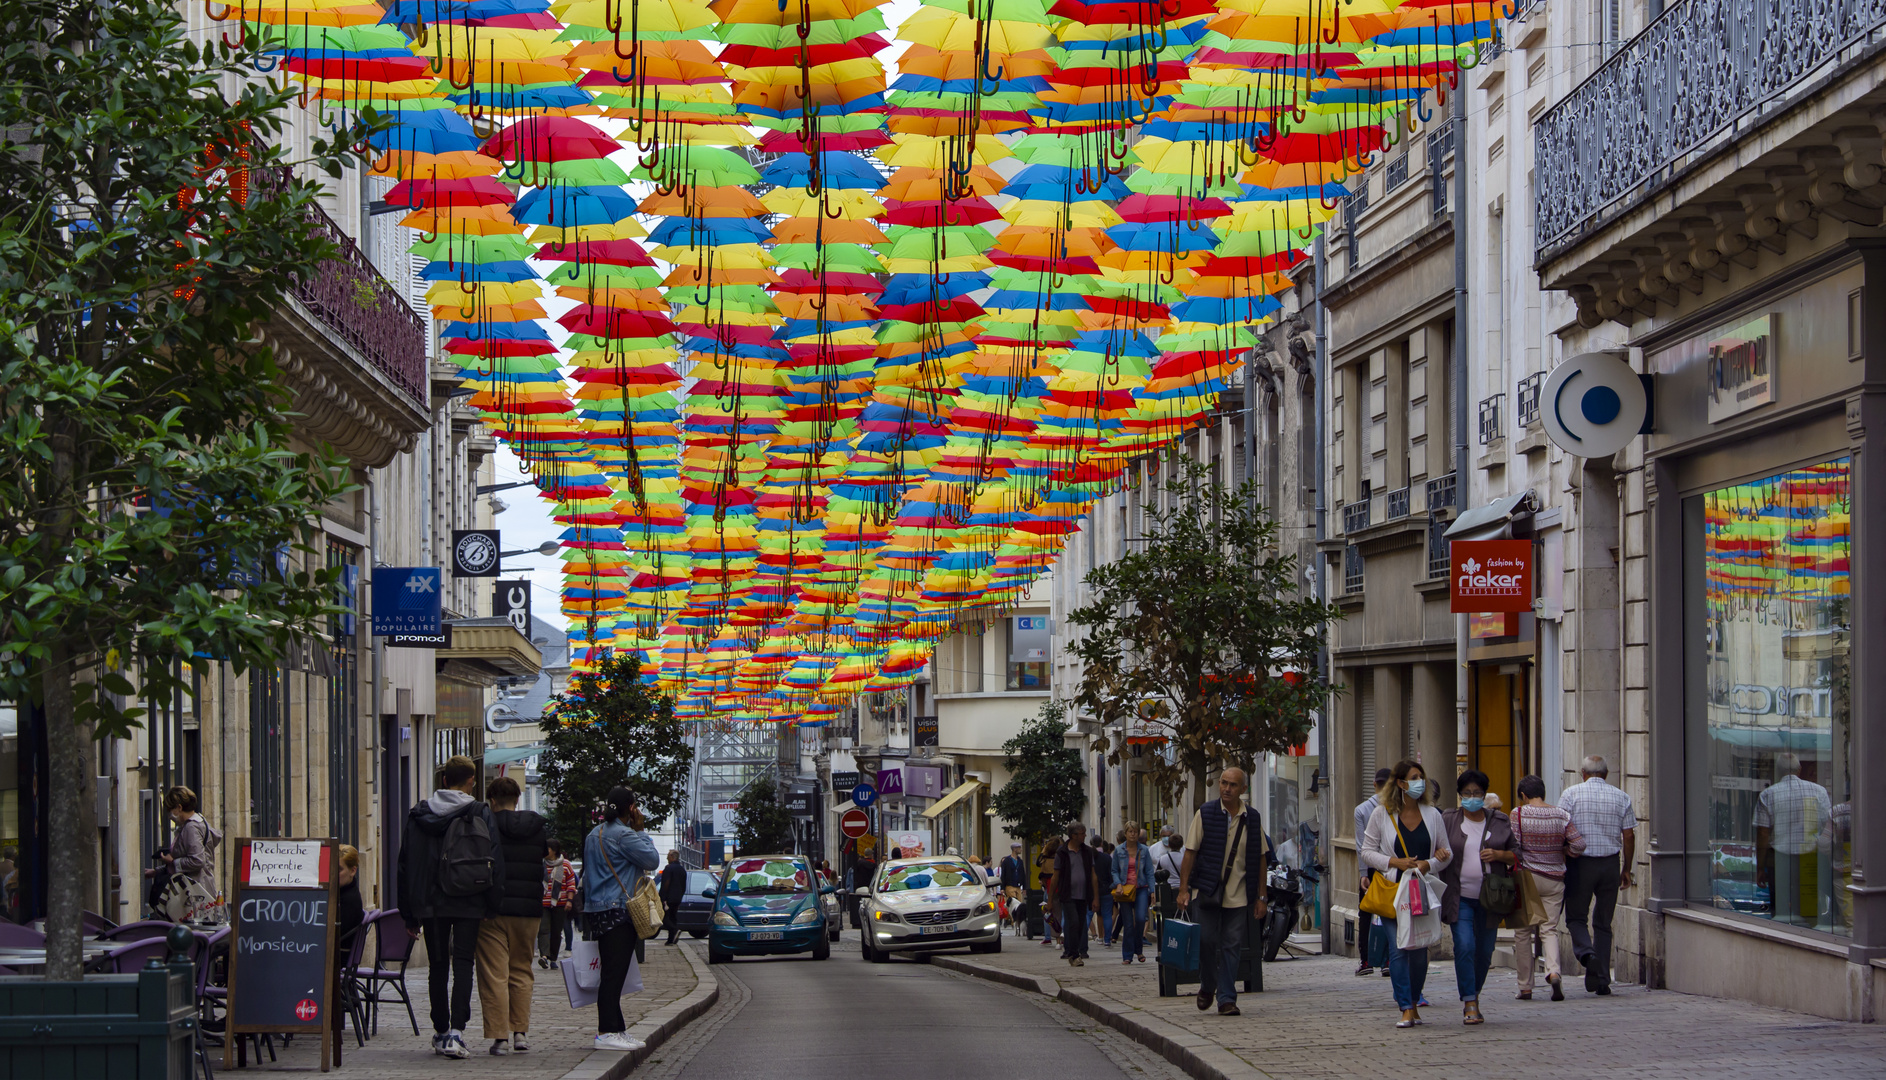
x: 407, y: 600
x: 923, y: 731
x: 922, y: 782
x: 890, y: 780
x: 799, y: 804
x: 1490, y: 575
x: 1742, y: 365
x: 474, y: 553
x: 844, y: 781
x: 726, y: 817
x: 912, y: 843
x: 1593, y: 404
x: 511, y: 600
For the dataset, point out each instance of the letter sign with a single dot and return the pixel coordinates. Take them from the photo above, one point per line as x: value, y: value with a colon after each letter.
x: 1490, y: 575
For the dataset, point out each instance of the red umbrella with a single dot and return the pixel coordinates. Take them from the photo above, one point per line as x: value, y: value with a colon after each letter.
x: 469, y: 191
x: 550, y: 138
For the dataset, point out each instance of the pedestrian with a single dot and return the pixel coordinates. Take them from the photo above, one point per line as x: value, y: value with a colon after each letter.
x: 1169, y: 855
x: 615, y: 856
x: 672, y: 884
x: 1132, y: 887
x: 558, y: 899
x: 1076, y: 888
x: 1483, y: 846
x: 1103, y: 899
x: 1406, y: 834
x: 1794, y: 834
x: 1605, y: 818
x: 1547, y: 839
x: 451, y: 878
x: 1051, y: 911
x: 349, y: 912
x: 1228, y: 883
x: 1374, y: 932
x: 825, y: 872
x: 505, y: 979
x: 897, y: 853
x: 1012, y: 873
x: 192, y: 846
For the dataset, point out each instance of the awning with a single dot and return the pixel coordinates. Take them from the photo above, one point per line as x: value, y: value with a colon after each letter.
x: 486, y: 650
x: 961, y: 791
x: 505, y: 755
x: 1490, y: 522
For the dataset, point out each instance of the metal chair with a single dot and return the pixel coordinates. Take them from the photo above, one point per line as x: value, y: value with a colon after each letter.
x: 350, y: 981
x: 391, y: 947
x: 135, y: 931
x: 21, y: 937
x: 93, y: 923
x: 128, y: 959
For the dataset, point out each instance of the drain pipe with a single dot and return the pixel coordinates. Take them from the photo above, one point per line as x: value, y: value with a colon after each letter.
x: 1462, y: 486
x: 1317, y: 325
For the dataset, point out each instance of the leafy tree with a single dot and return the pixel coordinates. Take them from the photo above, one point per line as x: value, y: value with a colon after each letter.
x: 1203, y: 633
x: 610, y: 728
x: 762, y: 826
x: 150, y: 510
x: 1046, y: 786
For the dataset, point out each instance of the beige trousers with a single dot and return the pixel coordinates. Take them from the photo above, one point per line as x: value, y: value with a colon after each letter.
x: 506, y: 947
x: 1532, y: 941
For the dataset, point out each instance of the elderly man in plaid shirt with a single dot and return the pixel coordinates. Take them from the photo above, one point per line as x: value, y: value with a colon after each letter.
x: 1603, y: 815
x: 1793, y: 838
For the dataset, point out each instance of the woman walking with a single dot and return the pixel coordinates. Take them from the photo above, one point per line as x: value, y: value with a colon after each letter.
x: 1405, y: 834
x: 615, y: 856
x: 1482, y: 840
x: 1133, y: 887
x: 1050, y: 913
x: 1546, y: 838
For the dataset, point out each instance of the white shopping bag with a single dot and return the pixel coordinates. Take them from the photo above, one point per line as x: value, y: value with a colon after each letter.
x: 632, y: 983
x: 1417, y: 893
x: 588, y: 965
x: 580, y: 997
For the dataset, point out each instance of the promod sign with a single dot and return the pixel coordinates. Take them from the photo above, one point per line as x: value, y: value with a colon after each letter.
x: 1490, y: 575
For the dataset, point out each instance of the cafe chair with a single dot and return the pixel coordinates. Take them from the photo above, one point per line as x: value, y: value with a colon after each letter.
x: 128, y: 959
x: 135, y: 931
x: 392, y: 951
x: 351, y: 985
x: 93, y: 923
x: 209, y: 996
x: 13, y: 935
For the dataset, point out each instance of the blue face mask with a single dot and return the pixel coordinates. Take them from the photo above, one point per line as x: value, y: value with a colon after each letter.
x: 1417, y: 787
x: 1473, y: 805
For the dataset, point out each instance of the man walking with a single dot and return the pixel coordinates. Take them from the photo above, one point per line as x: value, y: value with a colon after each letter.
x: 559, y: 899
x: 1373, y: 933
x: 451, y: 878
x: 672, y: 884
x: 1076, y: 889
x: 1014, y: 878
x: 1169, y: 855
x: 1603, y: 815
x: 505, y: 982
x: 1219, y: 869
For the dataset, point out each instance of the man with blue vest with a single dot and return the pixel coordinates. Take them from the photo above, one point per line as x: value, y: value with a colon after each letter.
x: 1226, y: 881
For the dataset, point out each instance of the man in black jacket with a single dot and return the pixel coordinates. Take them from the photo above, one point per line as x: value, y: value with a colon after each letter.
x: 672, y: 885
x: 445, y: 910
x: 505, y: 941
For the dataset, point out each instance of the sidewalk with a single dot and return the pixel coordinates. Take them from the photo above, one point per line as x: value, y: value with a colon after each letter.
x: 559, y: 1036
x: 1317, y: 1019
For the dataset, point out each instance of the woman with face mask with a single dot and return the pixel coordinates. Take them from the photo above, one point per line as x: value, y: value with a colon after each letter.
x: 1484, y: 839
x: 1406, y: 834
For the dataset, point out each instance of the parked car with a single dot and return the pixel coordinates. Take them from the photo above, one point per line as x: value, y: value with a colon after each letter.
x: 696, y: 911
x: 927, y: 905
x: 766, y: 905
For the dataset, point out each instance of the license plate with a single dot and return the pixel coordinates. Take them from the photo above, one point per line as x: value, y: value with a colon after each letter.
x: 765, y: 935
x: 946, y: 928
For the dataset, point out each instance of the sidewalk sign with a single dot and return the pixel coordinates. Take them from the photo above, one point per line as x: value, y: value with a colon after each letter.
x: 281, y: 941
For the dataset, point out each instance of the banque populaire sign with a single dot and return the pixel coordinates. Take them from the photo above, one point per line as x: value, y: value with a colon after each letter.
x: 1490, y: 575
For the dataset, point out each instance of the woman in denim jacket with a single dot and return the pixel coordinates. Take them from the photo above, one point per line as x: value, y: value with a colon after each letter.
x: 1133, y: 865
x: 615, y: 856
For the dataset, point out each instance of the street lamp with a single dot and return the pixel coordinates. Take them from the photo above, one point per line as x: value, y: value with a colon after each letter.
x: 548, y: 547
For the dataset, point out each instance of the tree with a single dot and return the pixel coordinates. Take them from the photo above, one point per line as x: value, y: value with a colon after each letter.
x: 610, y: 728
x: 1046, y: 786
x: 150, y: 511
x: 1203, y: 635
x: 762, y: 826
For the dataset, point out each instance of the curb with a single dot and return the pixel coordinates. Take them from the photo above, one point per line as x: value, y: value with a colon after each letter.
x: 1199, y: 1057
x: 654, y: 1029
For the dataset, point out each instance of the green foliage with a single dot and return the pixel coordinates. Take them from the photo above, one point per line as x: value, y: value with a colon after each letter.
x: 1046, y: 784
x: 762, y: 826
x: 1203, y: 632
x: 147, y: 491
x: 609, y: 728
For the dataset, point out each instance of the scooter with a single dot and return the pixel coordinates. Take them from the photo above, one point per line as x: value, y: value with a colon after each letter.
x: 1285, y: 888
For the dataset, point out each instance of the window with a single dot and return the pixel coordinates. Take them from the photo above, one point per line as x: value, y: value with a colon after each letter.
x: 1352, y: 208
x: 1766, y: 588
x: 1028, y: 652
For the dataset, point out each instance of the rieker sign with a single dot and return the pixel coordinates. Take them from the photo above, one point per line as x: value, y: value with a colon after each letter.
x: 1490, y: 575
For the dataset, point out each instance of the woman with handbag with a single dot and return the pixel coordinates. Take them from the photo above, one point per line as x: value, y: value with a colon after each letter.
x: 617, y: 855
x: 1480, y: 886
x: 1133, y: 888
x: 1404, y: 835
x: 1547, y: 838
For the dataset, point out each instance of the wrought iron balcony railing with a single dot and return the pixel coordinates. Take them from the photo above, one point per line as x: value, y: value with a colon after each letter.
x: 1704, y: 69
x: 1395, y: 505
x: 1491, y: 428
x: 1352, y: 575
x: 1526, y: 403
x: 1355, y: 516
x: 1441, y: 494
x: 1437, y: 549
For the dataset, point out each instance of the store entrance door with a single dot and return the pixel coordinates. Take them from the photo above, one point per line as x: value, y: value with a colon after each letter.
x: 1500, y: 727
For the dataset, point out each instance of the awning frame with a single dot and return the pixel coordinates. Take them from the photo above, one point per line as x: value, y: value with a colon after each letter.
x: 956, y: 795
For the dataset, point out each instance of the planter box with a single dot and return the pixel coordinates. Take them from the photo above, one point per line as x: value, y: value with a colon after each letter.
x: 127, y: 1027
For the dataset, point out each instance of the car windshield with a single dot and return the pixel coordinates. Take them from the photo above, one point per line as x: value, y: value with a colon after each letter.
x: 926, y: 875
x: 770, y: 876
x: 698, y: 880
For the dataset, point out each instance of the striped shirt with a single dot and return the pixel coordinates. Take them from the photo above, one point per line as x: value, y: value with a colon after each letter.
x: 1601, y: 813
x: 1546, y: 836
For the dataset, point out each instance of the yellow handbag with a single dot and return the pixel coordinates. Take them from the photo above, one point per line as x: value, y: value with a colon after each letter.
x: 1379, y: 901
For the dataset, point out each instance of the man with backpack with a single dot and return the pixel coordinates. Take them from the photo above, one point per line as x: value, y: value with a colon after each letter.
x: 451, y: 878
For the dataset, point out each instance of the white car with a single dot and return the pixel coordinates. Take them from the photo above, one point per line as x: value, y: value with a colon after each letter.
x: 927, y: 904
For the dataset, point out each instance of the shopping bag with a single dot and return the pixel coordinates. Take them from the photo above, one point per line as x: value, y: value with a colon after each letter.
x: 581, y: 997
x: 1178, y: 944
x: 588, y: 965
x: 632, y: 983
x: 1412, y: 930
x: 1530, y: 910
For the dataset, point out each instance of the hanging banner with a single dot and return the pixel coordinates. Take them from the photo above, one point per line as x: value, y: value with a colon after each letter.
x: 1490, y: 575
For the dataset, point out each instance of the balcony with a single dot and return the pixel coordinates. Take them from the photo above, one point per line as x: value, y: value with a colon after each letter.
x: 1491, y: 409
x: 1355, y: 516
x: 1395, y: 505
x: 1437, y: 549
x: 1441, y: 499
x: 1526, y: 398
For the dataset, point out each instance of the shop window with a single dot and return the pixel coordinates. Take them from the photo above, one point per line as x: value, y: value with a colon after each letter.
x: 1769, y: 679
x: 1028, y: 652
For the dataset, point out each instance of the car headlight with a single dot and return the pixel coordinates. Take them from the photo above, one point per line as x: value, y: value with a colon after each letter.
x: 886, y: 916
x: 988, y: 908
x: 721, y: 918
x: 807, y: 917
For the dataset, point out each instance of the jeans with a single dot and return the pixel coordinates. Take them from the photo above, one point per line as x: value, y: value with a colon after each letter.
x: 450, y: 946
x: 1408, y: 974
x: 556, y: 921
x: 1377, y: 933
x: 1133, y: 924
x: 1106, y: 919
x: 1474, y: 936
x: 1074, y: 916
x: 1220, y: 948
x: 614, y: 950
x: 1591, y: 896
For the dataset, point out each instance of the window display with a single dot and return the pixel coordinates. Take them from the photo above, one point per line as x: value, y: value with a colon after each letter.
x: 1773, y: 732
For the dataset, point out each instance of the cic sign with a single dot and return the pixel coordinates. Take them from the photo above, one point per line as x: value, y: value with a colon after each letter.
x: 1490, y: 575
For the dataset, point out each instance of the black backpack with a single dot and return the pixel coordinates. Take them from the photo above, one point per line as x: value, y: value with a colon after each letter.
x: 465, y: 863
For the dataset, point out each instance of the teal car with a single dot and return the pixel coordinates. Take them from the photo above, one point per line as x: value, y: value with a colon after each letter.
x: 766, y: 905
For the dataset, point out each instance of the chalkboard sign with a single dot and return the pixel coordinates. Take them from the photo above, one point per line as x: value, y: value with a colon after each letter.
x: 281, y: 942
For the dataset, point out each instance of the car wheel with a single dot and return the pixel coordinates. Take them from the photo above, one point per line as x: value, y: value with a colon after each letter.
x: 822, y: 948
x: 697, y: 934
x: 834, y: 933
x: 716, y: 956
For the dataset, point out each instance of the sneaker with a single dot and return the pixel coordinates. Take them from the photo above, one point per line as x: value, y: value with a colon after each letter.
x: 1386, y: 973
x: 618, y: 1040
x: 500, y: 1047
x: 452, y: 1045
x: 518, y: 1045
x: 1229, y: 1008
x: 438, y: 1043
x: 1364, y: 969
